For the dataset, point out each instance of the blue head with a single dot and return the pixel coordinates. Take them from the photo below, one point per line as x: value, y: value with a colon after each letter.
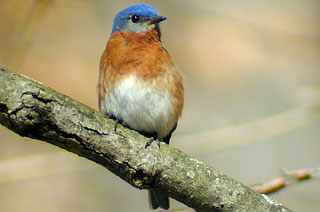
x: 137, y: 18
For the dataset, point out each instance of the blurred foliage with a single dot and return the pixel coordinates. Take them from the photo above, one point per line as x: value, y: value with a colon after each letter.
x: 23, y: 32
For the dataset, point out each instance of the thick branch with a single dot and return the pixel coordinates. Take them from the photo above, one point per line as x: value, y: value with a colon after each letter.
x: 33, y: 110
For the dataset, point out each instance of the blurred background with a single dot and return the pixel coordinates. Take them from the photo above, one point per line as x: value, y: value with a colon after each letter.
x: 251, y: 71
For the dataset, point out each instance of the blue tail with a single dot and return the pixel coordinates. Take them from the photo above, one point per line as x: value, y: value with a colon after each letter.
x: 158, y: 199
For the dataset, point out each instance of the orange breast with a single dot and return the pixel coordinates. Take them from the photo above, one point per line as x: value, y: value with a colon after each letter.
x: 141, y: 55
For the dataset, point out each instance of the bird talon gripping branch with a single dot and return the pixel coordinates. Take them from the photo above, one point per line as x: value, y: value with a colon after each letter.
x: 138, y: 81
x: 152, y: 139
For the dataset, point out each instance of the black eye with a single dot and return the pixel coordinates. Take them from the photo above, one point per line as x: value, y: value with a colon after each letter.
x: 135, y: 18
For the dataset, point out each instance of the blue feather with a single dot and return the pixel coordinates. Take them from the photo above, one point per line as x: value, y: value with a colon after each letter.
x: 121, y: 19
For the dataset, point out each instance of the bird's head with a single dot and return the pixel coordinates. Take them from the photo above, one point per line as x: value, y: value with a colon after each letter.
x: 137, y: 18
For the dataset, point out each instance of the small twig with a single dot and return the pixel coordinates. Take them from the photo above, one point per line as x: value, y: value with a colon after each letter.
x: 270, y: 187
x: 288, y: 178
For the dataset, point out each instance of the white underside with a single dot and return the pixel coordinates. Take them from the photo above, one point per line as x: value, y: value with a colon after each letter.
x: 141, y: 107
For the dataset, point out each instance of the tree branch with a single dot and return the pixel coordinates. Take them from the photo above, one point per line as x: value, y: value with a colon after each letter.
x: 30, y: 109
x: 288, y: 178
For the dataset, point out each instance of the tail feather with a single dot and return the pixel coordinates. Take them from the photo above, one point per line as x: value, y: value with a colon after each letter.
x: 158, y: 199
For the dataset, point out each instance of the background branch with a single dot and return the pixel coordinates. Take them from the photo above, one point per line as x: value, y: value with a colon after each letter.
x: 288, y: 178
x: 263, y: 129
x: 33, y: 110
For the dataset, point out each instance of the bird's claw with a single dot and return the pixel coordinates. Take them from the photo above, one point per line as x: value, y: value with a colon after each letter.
x: 150, y: 142
x: 115, y: 125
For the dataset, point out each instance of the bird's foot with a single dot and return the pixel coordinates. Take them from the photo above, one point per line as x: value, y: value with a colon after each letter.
x: 152, y: 139
x: 116, y: 122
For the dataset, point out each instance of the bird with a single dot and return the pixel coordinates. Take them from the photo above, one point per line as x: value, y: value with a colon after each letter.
x: 139, y: 84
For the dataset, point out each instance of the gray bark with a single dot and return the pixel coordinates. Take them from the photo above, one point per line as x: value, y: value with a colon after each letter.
x: 33, y: 110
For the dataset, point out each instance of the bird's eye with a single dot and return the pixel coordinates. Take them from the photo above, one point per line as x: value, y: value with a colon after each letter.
x: 135, y: 18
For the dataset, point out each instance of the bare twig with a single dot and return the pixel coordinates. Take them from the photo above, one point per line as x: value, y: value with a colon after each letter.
x: 288, y: 178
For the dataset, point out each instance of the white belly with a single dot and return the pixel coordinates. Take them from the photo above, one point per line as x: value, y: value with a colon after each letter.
x: 140, y: 107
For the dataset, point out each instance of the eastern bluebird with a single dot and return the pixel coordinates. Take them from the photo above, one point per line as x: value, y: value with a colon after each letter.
x: 139, y: 84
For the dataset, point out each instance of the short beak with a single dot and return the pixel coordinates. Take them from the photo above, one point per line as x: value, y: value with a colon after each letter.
x: 157, y: 19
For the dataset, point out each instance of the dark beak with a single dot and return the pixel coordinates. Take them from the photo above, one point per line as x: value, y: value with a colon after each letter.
x: 157, y: 19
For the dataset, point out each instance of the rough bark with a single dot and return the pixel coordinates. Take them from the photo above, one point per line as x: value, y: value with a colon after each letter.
x: 33, y: 110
